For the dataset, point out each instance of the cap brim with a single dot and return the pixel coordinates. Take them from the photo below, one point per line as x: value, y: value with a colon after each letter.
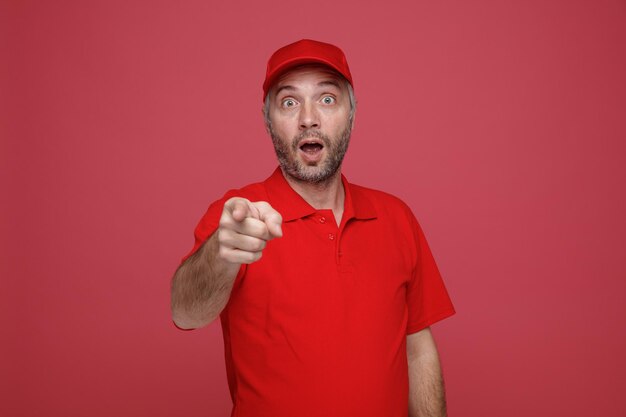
x: 289, y: 64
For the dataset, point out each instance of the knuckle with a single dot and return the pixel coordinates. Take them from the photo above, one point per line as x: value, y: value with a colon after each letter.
x: 258, y: 245
x: 246, y: 257
x: 263, y: 231
x: 262, y: 204
x: 222, y: 236
x: 225, y: 221
x: 223, y: 253
x: 251, y: 257
x: 256, y: 256
x: 254, y: 228
x: 235, y: 200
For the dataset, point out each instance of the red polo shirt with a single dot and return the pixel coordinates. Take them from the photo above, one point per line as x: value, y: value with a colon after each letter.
x: 317, y: 327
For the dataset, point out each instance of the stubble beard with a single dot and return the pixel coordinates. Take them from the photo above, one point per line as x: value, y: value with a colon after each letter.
x: 318, y: 174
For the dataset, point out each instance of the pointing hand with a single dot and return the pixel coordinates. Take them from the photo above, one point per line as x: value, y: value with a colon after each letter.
x: 245, y: 228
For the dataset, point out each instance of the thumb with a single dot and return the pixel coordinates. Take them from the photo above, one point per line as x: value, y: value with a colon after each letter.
x: 272, y: 219
x: 274, y: 225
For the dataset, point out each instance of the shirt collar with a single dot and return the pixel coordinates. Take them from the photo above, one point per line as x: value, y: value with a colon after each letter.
x: 292, y: 206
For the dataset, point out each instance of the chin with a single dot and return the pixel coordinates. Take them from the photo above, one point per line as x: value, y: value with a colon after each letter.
x: 315, y: 176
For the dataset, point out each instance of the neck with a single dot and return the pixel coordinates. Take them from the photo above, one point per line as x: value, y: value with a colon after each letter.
x: 328, y: 194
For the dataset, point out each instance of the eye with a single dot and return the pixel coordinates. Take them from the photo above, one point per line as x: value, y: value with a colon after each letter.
x: 288, y: 102
x: 328, y: 100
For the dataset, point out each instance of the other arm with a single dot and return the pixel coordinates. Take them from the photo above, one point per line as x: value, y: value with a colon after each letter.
x: 426, y: 388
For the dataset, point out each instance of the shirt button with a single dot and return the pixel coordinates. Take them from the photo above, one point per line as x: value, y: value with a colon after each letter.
x: 331, y: 236
x: 322, y: 219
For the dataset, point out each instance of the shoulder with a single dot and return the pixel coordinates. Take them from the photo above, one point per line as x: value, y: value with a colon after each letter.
x: 382, y: 201
x: 392, y: 215
x: 253, y: 192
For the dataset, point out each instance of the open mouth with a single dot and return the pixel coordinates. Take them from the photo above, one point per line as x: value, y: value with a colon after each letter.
x: 311, y: 146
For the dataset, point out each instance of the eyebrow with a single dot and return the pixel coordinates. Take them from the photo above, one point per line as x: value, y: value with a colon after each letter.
x: 284, y: 87
x: 320, y: 84
x: 329, y: 82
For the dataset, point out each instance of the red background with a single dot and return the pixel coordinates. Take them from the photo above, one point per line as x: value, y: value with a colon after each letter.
x: 502, y: 124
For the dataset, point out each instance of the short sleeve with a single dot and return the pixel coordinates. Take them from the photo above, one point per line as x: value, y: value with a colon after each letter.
x: 427, y: 298
x: 209, y: 222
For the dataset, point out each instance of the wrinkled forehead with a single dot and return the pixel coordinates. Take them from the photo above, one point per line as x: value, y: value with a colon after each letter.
x: 307, y: 70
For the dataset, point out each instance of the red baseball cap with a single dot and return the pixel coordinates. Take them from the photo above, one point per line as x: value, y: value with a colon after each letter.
x: 305, y: 51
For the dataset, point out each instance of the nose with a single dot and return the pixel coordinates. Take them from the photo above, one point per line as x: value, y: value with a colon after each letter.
x: 309, y: 117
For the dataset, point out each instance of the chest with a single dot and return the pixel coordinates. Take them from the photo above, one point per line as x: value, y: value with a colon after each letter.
x: 318, y: 273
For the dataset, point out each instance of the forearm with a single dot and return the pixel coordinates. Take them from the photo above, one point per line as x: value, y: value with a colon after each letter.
x: 201, y: 287
x: 426, y: 386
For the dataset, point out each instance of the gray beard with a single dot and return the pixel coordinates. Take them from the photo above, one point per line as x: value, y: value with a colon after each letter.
x: 297, y: 170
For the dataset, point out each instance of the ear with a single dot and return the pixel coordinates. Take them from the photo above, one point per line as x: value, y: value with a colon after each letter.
x: 353, y: 117
x: 266, y: 120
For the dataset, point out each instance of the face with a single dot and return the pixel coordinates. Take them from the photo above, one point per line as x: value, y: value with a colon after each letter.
x: 310, y: 122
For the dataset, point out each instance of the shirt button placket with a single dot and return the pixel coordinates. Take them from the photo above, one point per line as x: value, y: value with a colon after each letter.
x: 327, y: 226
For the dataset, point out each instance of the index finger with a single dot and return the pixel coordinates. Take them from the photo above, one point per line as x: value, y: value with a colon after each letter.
x: 240, y: 208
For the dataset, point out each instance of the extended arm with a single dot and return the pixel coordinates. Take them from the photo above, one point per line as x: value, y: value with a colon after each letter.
x: 426, y: 388
x: 202, y: 285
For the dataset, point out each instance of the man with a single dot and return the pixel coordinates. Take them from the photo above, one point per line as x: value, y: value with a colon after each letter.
x: 325, y: 289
